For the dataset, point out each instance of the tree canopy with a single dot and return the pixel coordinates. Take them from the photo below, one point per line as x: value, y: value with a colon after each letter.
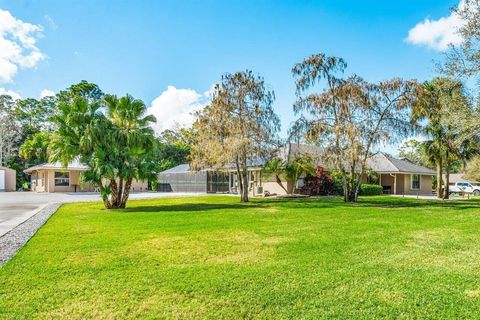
x: 349, y: 116
x: 239, y: 127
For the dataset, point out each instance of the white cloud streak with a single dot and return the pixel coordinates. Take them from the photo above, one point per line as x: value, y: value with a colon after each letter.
x: 437, y: 34
x: 10, y: 93
x: 17, y: 45
x: 46, y: 93
x: 175, y: 107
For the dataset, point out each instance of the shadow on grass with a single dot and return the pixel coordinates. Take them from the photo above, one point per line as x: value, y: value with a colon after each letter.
x: 310, y: 203
x: 377, y: 202
x: 185, y: 207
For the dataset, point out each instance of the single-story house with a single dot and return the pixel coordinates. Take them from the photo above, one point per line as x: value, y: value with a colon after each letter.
x: 401, y: 176
x: 7, y: 179
x: 397, y: 176
x: 182, y: 179
x: 459, y: 177
x: 54, y: 177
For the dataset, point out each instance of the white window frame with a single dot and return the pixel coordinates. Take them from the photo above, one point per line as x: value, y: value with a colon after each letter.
x: 64, y: 179
x: 419, y: 182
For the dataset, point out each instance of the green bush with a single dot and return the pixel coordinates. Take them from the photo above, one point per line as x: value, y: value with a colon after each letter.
x: 371, y: 190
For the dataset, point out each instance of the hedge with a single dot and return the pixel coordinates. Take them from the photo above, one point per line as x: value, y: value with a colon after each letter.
x: 371, y: 190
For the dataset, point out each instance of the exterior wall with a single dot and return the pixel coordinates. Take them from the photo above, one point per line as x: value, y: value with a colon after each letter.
x: 273, y: 188
x: 425, y: 185
x: 10, y: 179
x: 138, y: 186
x: 404, y: 184
x: 44, y: 181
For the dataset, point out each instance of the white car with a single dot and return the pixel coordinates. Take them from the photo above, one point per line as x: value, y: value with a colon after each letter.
x: 465, y: 187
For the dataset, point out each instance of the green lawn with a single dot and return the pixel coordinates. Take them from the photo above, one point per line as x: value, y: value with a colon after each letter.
x: 212, y: 257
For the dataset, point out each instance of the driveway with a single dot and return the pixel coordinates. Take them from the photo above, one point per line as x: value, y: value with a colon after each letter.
x: 16, y: 207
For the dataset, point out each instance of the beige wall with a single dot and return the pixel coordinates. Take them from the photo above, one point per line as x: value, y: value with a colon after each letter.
x: 273, y: 187
x: 404, y: 184
x: 44, y: 181
x: 10, y: 179
x: 425, y: 185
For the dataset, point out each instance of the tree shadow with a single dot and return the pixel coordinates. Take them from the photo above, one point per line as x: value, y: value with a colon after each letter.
x: 183, y: 207
x: 310, y: 203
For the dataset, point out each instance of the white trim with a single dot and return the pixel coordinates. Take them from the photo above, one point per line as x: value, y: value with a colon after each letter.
x: 419, y: 181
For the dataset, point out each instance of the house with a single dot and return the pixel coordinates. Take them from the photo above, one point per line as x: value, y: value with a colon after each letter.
x: 401, y: 176
x: 182, y: 179
x: 459, y: 177
x: 7, y: 179
x: 54, y: 177
x: 396, y: 176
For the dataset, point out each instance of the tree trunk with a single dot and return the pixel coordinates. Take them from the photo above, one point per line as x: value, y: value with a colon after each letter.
x: 242, y: 172
x: 439, y: 179
x: 104, y: 195
x: 244, y: 191
x: 279, y: 182
x: 126, y: 192
x: 114, y: 193
x: 446, y: 194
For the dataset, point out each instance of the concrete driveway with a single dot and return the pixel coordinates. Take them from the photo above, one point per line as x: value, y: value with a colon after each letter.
x: 16, y: 207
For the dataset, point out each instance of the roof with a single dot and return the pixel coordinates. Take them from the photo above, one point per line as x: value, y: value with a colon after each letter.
x: 7, y: 169
x: 74, y: 165
x: 178, y: 169
x: 459, y: 177
x: 382, y: 163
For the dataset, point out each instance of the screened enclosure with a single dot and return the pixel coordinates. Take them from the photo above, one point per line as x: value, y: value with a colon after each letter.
x: 181, y: 179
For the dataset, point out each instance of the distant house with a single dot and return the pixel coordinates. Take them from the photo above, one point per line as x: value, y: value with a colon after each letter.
x: 53, y: 177
x: 401, y: 176
x: 459, y: 177
x: 7, y: 179
x: 397, y: 176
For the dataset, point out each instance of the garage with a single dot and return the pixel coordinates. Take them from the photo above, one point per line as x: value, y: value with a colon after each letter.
x: 7, y: 179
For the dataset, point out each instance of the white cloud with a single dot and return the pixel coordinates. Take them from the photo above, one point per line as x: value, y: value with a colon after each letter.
x: 10, y: 93
x: 46, y: 93
x: 437, y: 34
x: 17, y: 45
x: 50, y: 22
x: 176, y: 107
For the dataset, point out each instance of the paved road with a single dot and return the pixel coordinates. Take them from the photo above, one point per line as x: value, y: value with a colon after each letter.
x: 16, y: 207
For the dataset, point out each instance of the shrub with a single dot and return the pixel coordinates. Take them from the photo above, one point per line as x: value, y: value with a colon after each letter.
x: 371, y: 190
x: 321, y: 184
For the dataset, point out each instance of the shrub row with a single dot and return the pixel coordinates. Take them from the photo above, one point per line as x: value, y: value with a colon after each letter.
x: 371, y: 190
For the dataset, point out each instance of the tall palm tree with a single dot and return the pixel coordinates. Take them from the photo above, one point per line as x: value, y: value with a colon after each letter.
x: 132, y: 130
x: 428, y: 108
x: 112, y: 137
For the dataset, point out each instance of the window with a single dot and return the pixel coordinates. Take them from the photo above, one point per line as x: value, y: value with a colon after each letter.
x: 62, y: 179
x: 415, y: 181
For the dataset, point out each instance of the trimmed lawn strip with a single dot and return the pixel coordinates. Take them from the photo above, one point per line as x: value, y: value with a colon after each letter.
x: 213, y: 257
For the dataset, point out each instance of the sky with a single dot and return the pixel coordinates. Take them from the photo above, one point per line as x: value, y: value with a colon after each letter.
x: 170, y: 53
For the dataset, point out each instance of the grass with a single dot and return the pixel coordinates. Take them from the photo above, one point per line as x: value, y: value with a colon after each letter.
x: 212, y: 257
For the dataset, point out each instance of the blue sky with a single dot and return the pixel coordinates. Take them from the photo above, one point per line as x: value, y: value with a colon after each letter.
x: 145, y: 47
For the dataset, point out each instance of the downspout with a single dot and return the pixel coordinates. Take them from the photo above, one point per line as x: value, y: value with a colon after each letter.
x: 394, y: 182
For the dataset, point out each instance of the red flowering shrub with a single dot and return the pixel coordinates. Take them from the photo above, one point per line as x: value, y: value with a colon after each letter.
x: 320, y: 184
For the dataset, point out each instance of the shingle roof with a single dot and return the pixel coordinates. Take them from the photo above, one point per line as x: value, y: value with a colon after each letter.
x: 385, y: 164
x: 178, y: 169
x: 74, y: 165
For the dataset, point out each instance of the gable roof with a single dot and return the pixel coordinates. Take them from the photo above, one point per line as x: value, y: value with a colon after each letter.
x: 74, y: 165
x: 385, y: 164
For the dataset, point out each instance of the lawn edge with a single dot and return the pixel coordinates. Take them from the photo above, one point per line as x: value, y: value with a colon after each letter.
x: 12, y: 241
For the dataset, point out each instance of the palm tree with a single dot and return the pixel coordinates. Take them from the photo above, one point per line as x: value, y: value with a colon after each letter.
x: 115, y: 141
x: 275, y: 167
x: 132, y: 130
x: 294, y: 169
x: 427, y: 107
